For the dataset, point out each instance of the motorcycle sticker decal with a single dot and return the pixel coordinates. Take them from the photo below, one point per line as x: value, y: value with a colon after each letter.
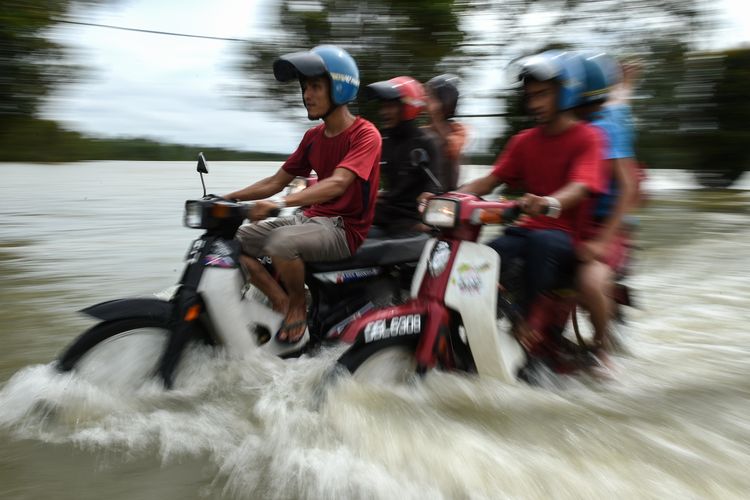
x: 221, y: 254
x: 219, y: 261
x: 410, y: 324
x: 194, y: 252
x: 348, y: 275
x: 469, y: 278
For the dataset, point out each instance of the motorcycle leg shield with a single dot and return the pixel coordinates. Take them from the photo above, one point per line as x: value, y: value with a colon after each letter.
x: 236, y: 318
x: 221, y: 291
x: 472, y: 293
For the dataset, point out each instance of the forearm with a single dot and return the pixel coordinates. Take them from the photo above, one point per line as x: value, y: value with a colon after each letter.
x: 320, y: 192
x: 480, y: 187
x: 257, y: 191
x: 570, y: 195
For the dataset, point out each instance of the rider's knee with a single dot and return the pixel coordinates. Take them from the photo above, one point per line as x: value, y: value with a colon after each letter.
x: 281, y: 246
x: 592, y: 278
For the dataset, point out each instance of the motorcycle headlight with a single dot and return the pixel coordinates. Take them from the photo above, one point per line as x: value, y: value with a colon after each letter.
x: 297, y: 185
x: 441, y: 213
x: 439, y: 258
x: 193, y: 214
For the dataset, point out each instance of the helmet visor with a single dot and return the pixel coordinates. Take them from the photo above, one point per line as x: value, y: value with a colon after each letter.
x: 538, y: 67
x: 384, y: 91
x: 293, y: 66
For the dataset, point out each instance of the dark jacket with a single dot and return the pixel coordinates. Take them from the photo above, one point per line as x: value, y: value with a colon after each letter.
x: 402, y: 178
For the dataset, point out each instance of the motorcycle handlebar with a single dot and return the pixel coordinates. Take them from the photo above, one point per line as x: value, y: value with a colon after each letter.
x: 497, y: 212
x: 512, y: 213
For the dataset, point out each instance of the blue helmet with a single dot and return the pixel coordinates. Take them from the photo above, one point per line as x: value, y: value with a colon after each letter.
x: 329, y: 60
x: 565, y: 67
x: 602, y: 72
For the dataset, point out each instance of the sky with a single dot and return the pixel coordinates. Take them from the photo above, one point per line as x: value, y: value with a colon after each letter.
x: 177, y: 89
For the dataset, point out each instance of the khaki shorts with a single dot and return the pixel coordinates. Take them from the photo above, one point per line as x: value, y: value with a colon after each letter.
x: 314, y: 239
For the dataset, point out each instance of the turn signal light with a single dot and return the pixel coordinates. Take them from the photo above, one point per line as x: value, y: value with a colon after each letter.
x: 193, y: 312
x: 220, y: 210
x: 486, y: 216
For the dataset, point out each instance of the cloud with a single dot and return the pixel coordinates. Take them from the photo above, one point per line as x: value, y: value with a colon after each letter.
x: 162, y: 87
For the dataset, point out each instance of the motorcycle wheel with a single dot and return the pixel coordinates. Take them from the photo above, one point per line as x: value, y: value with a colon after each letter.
x: 124, y: 352
x: 387, y: 362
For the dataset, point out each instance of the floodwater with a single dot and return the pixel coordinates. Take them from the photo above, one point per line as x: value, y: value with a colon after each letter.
x: 672, y: 422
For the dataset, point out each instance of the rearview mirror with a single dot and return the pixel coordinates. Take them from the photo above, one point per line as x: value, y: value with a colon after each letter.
x: 202, y: 164
x: 419, y: 157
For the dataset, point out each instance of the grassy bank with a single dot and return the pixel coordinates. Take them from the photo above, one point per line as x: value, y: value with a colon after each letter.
x: 31, y: 140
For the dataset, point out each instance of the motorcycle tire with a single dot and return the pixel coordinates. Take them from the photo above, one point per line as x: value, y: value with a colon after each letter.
x: 125, y: 351
x: 386, y: 361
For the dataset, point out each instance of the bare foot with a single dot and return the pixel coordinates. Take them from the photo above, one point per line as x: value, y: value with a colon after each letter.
x: 601, y: 367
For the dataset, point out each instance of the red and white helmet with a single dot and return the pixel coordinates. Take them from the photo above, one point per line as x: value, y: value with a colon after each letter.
x: 402, y: 88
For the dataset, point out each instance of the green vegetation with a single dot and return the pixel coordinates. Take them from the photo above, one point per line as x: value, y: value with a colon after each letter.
x: 32, y: 140
x: 719, y: 137
x: 30, y: 64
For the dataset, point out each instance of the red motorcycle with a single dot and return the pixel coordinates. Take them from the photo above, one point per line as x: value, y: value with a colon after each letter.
x: 458, y: 317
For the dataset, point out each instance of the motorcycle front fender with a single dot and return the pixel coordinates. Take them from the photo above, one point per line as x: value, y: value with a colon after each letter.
x: 415, y: 317
x: 130, y: 308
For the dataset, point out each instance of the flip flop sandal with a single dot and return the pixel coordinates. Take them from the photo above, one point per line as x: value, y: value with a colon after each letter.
x: 286, y: 327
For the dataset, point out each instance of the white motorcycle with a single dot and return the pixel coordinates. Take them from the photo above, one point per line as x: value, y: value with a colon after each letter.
x: 213, y: 304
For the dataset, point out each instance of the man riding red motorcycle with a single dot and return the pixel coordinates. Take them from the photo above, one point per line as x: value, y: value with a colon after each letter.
x: 559, y: 165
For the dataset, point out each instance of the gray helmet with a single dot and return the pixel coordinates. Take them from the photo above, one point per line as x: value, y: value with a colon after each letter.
x: 445, y: 88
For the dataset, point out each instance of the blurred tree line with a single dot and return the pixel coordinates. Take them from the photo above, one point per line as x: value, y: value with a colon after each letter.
x: 690, y: 107
x: 33, y: 140
x: 30, y: 64
x: 387, y: 38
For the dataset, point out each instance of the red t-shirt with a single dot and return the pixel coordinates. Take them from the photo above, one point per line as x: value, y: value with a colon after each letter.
x: 540, y: 164
x: 356, y: 149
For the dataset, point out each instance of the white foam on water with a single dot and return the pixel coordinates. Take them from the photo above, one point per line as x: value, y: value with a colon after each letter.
x: 671, y: 424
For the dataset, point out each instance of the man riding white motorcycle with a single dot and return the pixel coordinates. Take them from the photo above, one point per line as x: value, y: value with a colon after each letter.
x: 344, y: 151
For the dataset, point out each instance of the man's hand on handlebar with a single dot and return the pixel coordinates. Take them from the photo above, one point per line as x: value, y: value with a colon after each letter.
x: 211, y: 196
x: 262, y: 209
x: 533, y: 205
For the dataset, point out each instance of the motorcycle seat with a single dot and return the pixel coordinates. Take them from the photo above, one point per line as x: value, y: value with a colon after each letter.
x: 377, y: 252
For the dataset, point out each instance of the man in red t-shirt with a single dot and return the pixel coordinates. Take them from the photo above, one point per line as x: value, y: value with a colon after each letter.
x: 558, y: 164
x: 344, y: 151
